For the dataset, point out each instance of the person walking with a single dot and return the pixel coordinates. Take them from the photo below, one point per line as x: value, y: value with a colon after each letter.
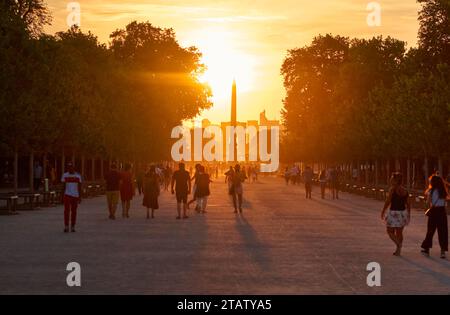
x: 126, y: 190
x: 287, y: 175
x: 323, y: 182
x: 72, y: 197
x: 112, y: 179
x: 308, y: 175
x: 437, y: 195
x: 399, y: 214
x: 151, y: 188
x: 140, y: 181
x: 181, y: 187
x: 334, y: 183
x: 202, y: 191
x: 167, y: 177
x: 236, y: 189
x: 194, y: 189
x: 37, y: 176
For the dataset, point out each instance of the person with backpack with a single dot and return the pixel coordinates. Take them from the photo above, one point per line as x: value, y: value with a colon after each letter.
x: 202, y: 190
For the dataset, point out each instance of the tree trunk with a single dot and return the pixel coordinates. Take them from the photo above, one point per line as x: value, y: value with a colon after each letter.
x: 388, y: 171
x: 83, y: 164
x: 376, y: 172
x: 93, y: 169
x: 408, y: 173
x: 102, y: 169
x: 44, y: 165
x: 366, y: 173
x: 425, y: 170
x: 63, y: 162
x: 16, y: 169
x: 30, y: 166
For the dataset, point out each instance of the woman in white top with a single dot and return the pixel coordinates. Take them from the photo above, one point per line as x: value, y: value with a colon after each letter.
x: 437, y: 216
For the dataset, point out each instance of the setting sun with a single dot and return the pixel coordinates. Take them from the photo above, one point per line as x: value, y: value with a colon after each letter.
x: 224, y: 62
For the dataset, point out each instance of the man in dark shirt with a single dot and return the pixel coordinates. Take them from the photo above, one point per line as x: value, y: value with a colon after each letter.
x: 112, y: 179
x: 182, y: 182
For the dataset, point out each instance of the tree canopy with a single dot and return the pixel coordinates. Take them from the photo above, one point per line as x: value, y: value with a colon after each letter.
x: 351, y: 99
x: 69, y: 91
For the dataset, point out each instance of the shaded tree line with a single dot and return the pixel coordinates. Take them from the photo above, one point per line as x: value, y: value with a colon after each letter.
x: 371, y: 101
x: 69, y: 94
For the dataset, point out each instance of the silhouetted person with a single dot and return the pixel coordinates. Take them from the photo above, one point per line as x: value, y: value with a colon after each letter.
x: 182, y: 182
x: 112, y: 179
x: 335, y: 175
x: 323, y: 183
x: 151, y: 187
x: 202, y: 191
x: 308, y: 178
x: 126, y: 190
x: 236, y: 188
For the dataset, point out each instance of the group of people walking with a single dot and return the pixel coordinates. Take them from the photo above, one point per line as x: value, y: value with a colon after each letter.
x: 396, y: 213
x: 120, y: 186
x: 327, y: 177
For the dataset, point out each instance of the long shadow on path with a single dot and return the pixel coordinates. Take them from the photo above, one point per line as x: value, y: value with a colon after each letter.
x: 251, y: 243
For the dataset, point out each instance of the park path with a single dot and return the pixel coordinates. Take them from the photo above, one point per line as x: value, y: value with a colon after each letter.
x: 282, y: 244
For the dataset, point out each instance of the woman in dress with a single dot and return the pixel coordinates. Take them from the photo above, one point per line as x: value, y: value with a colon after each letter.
x: 151, y: 191
x: 437, y: 216
x: 399, y: 213
x: 126, y: 190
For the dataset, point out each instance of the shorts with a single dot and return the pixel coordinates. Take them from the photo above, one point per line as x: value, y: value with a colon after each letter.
x: 112, y: 197
x: 182, y: 197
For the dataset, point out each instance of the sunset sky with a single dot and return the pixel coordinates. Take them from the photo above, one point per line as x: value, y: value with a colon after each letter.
x: 243, y: 39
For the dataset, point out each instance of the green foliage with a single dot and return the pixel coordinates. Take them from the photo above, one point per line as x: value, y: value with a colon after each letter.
x: 369, y: 98
x: 71, y: 92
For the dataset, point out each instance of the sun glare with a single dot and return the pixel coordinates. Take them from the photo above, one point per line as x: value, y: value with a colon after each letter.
x: 224, y: 62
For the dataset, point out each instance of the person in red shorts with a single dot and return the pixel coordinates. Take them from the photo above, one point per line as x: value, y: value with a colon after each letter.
x: 72, y: 197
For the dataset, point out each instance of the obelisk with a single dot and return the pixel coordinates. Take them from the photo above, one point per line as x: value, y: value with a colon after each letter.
x: 234, y: 118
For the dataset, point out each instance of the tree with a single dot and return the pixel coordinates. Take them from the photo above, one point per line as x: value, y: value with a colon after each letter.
x: 33, y: 13
x: 434, y: 31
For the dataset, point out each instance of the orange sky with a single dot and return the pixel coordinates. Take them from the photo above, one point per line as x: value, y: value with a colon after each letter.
x: 244, y: 39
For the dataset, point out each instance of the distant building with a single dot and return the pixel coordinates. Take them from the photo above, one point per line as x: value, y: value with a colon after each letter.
x: 263, y: 122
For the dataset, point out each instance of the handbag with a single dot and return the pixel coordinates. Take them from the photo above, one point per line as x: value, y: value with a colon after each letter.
x: 428, y: 211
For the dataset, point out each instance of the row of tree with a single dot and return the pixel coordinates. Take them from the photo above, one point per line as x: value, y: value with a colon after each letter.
x: 367, y: 99
x: 70, y: 93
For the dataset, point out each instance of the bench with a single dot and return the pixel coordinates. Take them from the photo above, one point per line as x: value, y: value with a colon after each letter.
x: 381, y: 194
x: 11, y: 203
x: 422, y: 201
x: 373, y: 192
x: 49, y: 199
x: 31, y: 199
